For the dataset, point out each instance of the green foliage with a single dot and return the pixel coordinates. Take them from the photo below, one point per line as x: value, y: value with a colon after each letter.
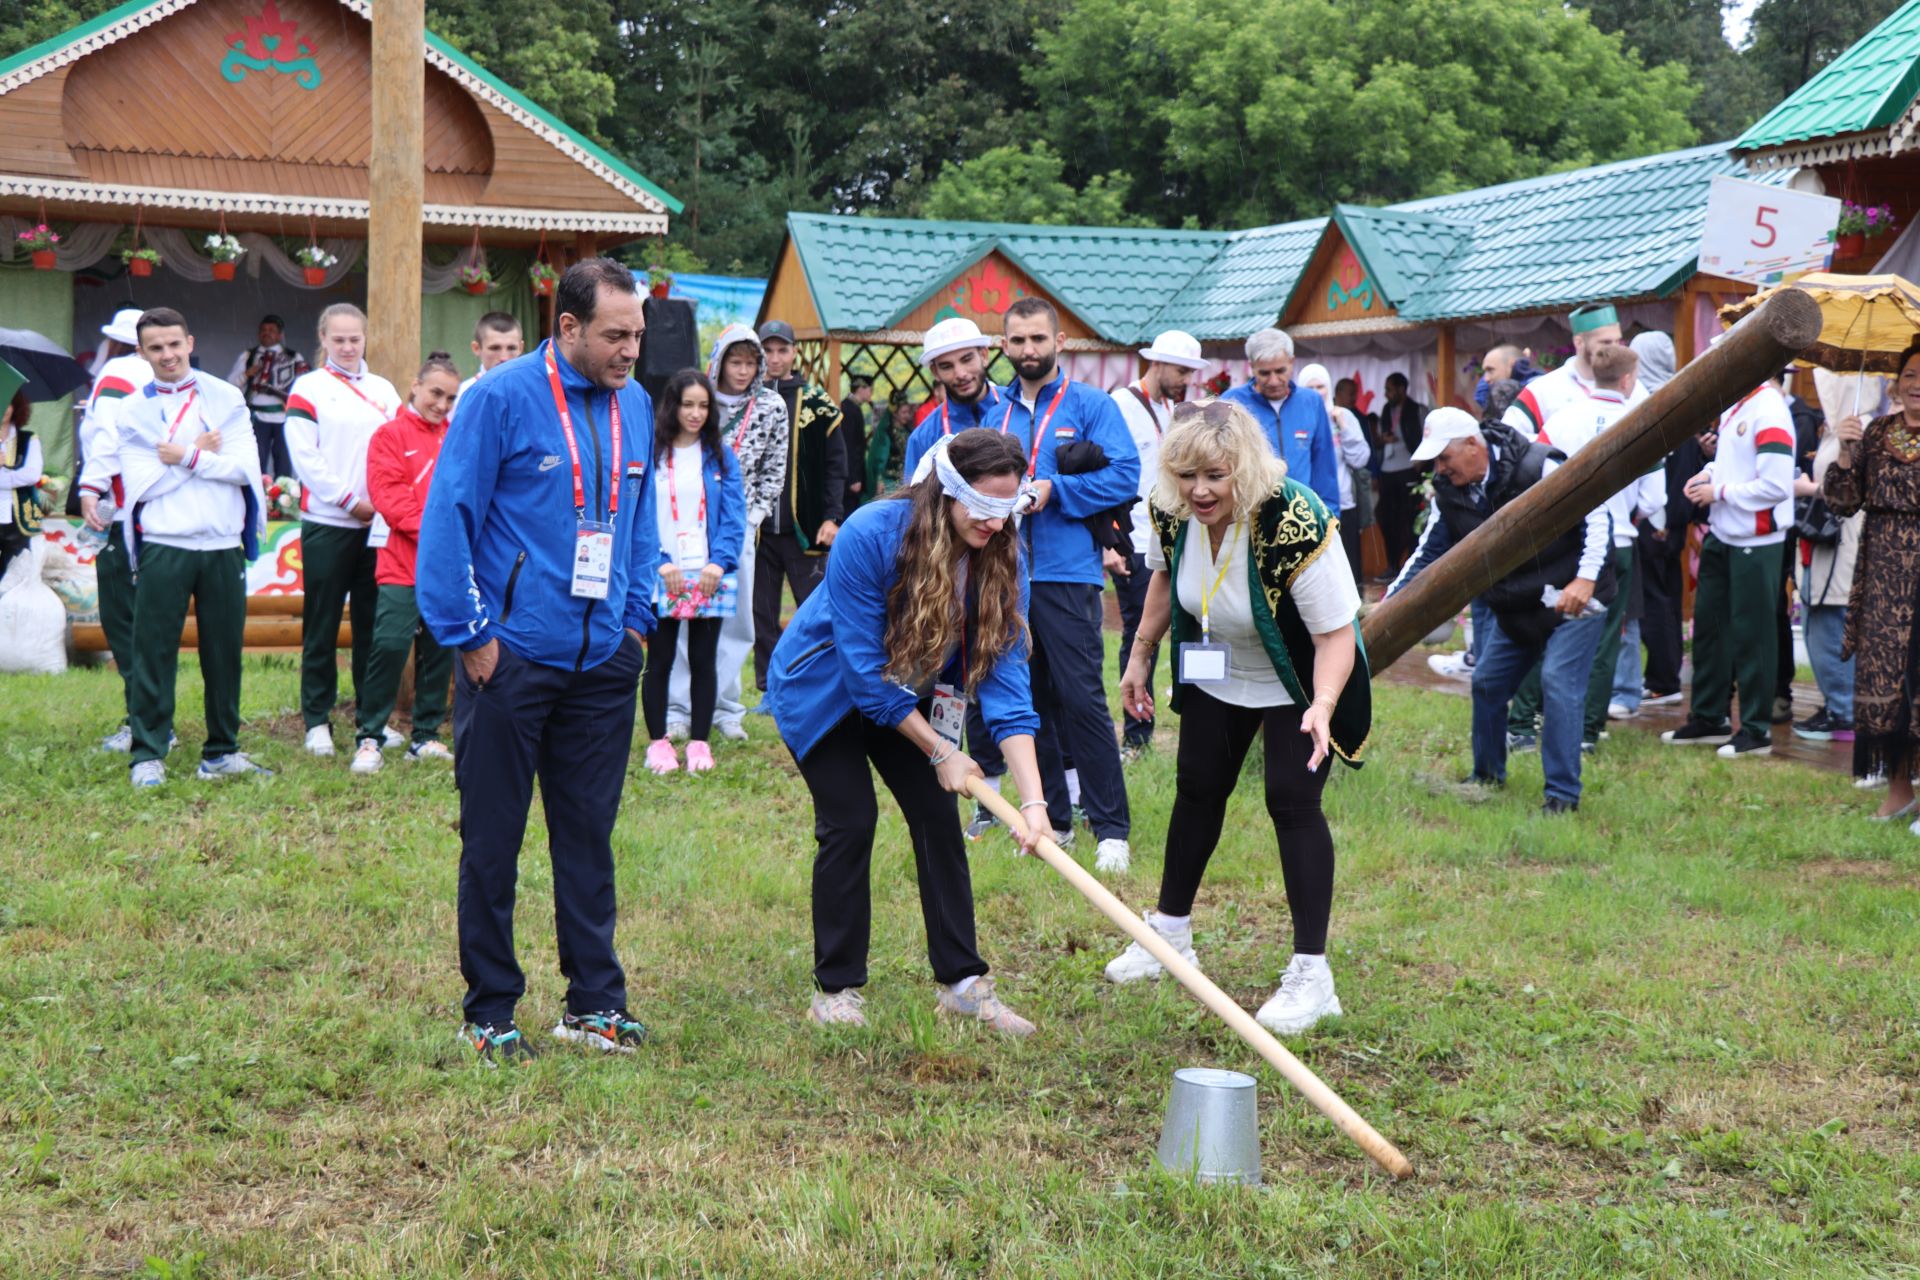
x: 1790, y: 40
x: 1011, y: 184
x: 557, y: 52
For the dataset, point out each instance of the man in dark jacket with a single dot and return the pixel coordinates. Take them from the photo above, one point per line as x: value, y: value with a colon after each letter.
x: 1395, y: 438
x: 1551, y: 609
x: 853, y: 437
x: 795, y: 538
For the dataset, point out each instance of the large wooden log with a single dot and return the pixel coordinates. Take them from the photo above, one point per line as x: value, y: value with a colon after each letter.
x: 263, y: 631
x: 1755, y: 350
x: 396, y: 181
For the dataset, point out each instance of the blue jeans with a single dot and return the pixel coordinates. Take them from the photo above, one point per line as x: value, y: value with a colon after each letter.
x: 1482, y: 624
x: 1826, y: 623
x: 1626, y: 671
x: 1566, y: 661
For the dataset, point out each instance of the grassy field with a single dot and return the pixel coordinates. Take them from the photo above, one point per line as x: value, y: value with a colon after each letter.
x: 1676, y: 1036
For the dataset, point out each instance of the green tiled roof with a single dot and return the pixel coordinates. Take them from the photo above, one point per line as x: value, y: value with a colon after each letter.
x: 1402, y: 249
x: 1868, y: 87
x: 1244, y: 287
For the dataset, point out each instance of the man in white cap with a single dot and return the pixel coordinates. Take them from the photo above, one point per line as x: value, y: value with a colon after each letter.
x: 1551, y: 609
x: 101, y: 493
x: 956, y: 353
x: 1147, y: 406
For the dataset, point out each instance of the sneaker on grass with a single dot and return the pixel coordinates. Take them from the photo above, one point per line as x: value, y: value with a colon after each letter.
x: 699, y: 757
x: 733, y: 731
x: 609, y: 1031
x: 320, y: 741
x: 662, y: 759
x: 1113, y: 856
x: 366, y: 757
x: 496, y: 1043
x: 1744, y: 744
x: 120, y: 740
x: 234, y: 764
x: 1621, y: 711
x: 1698, y: 733
x: 983, y: 821
x: 1454, y: 666
x: 1062, y: 838
x: 392, y: 739
x: 1136, y: 962
x: 1872, y: 781
x: 1518, y: 744
x: 980, y: 1003
x: 431, y: 749
x: 1305, y: 996
x: 148, y: 773
x: 1648, y: 698
x: 838, y: 1008
x: 1817, y: 727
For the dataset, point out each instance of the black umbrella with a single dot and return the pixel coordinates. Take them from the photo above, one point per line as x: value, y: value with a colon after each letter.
x: 50, y: 372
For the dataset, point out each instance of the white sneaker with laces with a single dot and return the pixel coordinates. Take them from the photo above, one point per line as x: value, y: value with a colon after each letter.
x: 366, y: 758
x: 431, y: 749
x: 1136, y: 962
x: 1621, y: 711
x: 148, y: 773
x: 980, y: 1003
x: 1113, y: 856
x: 320, y: 741
x: 838, y: 1009
x: 1305, y: 996
x: 1454, y: 666
x: 234, y: 764
x: 733, y: 731
x: 1062, y: 838
x: 120, y: 740
x: 392, y: 739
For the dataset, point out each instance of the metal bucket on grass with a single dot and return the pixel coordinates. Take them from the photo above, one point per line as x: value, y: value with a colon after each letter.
x: 1212, y: 1131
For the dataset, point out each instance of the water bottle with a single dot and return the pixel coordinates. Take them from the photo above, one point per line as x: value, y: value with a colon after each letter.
x: 91, y: 540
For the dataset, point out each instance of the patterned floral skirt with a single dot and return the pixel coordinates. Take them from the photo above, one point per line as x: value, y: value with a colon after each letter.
x: 1883, y: 640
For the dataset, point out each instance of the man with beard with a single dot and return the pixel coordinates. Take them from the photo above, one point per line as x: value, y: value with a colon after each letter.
x: 1081, y: 463
x: 795, y: 536
x: 956, y: 353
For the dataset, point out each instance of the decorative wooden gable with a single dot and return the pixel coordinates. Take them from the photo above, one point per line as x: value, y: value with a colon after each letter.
x: 982, y: 292
x: 1336, y: 287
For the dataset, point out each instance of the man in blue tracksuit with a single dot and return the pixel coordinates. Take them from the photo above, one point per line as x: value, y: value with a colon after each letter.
x: 1054, y: 414
x: 956, y: 353
x: 538, y: 554
x: 1297, y: 425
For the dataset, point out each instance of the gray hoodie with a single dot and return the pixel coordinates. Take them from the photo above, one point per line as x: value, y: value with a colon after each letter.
x: 756, y: 429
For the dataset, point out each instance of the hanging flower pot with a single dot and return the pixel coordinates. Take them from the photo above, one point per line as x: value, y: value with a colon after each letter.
x: 314, y: 276
x: 43, y: 259
x: 140, y: 262
x: 475, y: 278
x: 314, y: 263
x: 659, y: 281
x: 225, y: 270
x: 543, y: 278
x: 39, y: 241
x: 1849, y: 246
x: 226, y: 252
x: 476, y: 286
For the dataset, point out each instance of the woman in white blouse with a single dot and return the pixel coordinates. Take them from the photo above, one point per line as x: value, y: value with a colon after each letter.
x: 1250, y: 576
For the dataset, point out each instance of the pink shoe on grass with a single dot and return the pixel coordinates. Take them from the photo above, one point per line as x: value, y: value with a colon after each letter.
x: 661, y: 758
x: 699, y: 757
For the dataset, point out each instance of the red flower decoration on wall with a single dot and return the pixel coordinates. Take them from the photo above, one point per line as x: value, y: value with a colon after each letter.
x: 987, y: 292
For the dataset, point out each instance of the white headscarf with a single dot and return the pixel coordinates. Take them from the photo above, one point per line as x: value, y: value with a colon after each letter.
x: 981, y: 506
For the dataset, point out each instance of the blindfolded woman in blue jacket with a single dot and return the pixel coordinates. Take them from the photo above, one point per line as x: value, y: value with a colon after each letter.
x: 923, y: 607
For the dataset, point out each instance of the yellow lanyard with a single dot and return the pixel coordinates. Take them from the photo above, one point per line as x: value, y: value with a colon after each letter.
x: 1219, y: 576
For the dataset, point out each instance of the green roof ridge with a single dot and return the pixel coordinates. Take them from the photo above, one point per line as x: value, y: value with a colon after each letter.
x: 1867, y: 87
x: 80, y: 31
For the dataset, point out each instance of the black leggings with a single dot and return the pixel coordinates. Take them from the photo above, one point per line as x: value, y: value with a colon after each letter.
x: 703, y: 643
x: 845, y: 812
x: 1214, y: 737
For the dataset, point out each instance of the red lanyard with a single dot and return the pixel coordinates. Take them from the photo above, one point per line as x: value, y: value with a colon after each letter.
x: 347, y: 382
x: 746, y: 420
x: 180, y: 417
x: 573, y: 448
x: 673, y: 491
x: 946, y: 428
x: 1039, y: 424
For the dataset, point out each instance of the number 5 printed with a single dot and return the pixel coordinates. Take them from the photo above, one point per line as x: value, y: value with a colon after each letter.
x: 1760, y: 220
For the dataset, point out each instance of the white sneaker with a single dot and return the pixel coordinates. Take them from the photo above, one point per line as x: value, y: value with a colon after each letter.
x: 120, y: 740
x: 1454, y: 666
x: 431, y: 749
x: 148, y: 773
x: 1136, y: 962
x: 392, y: 739
x: 1872, y: 782
x: 1305, y: 996
x: 366, y: 759
x: 1112, y: 855
x: 320, y: 741
x: 1062, y: 838
x: 840, y: 1009
x: 1621, y: 711
x: 733, y: 731
x: 234, y: 764
x: 678, y: 730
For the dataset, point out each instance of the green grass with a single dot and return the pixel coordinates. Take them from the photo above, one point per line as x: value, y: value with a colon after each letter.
x: 1676, y: 1036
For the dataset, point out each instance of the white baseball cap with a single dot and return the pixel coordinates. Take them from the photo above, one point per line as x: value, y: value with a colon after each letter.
x: 121, y: 327
x: 1444, y: 425
x: 1176, y: 346
x: 956, y: 333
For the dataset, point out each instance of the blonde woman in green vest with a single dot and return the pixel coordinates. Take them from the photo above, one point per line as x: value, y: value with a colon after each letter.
x: 1250, y: 577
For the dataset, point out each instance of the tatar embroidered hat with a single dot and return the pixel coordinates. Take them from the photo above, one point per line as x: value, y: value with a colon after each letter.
x: 1444, y: 425
x: 956, y: 333
x: 121, y: 327
x: 1176, y: 347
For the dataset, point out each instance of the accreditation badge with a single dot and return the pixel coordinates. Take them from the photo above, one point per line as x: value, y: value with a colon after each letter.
x: 592, y: 560
x: 948, y: 714
x: 1203, y: 663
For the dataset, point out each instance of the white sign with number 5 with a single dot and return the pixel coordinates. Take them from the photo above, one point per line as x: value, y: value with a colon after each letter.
x: 1762, y: 234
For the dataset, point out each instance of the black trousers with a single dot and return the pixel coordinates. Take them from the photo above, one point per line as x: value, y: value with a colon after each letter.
x: 1070, y: 696
x: 845, y: 813
x: 1214, y: 737
x: 573, y: 731
x: 1130, y: 590
x: 271, y: 439
x: 980, y: 744
x: 703, y: 680
x: 12, y: 542
x: 1350, y: 531
x: 1395, y: 514
x: 1783, y: 622
x: 1661, y: 590
x: 780, y: 558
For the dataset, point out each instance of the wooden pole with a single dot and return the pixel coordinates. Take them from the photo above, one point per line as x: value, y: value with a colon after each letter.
x: 1748, y: 355
x: 397, y: 188
x: 1325, y: 1100
x: 1448, y: 356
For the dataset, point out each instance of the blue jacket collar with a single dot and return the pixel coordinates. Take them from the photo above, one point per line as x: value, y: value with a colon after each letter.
x: 1012, y: 389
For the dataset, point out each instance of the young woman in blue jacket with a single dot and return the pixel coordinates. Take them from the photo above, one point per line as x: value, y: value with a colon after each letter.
x: 923, y: 608
x: 701, y: 511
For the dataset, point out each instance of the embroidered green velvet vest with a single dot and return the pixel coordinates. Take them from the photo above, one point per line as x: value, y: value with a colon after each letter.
x: 1290, y: 531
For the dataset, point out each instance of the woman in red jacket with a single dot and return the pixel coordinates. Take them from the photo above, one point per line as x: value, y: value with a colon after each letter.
x: 400, y: 460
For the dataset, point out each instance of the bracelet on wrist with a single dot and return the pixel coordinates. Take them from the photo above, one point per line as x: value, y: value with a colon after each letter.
x: 938, y: 756
x: 1032, y: 804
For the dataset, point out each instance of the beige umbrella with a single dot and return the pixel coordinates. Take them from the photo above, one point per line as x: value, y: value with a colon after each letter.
x: 1866, y: 321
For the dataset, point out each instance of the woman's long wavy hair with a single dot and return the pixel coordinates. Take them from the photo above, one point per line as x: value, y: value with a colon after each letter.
x: 925, y: 617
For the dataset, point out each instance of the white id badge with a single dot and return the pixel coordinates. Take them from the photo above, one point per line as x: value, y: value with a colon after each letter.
x: 690, y: 551
x: 949, y: 714
x: 592, y: 560
x: 1203, y: 663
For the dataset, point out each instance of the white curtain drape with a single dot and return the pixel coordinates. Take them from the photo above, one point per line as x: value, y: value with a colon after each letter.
x: 181, y: 253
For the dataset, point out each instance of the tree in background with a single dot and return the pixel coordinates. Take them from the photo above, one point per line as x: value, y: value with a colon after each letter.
x: 1012, y: 184
x: 1790, y: 40
x: 1691, y: 33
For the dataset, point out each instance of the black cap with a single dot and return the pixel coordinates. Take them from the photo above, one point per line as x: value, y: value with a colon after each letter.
x: 776, y: 329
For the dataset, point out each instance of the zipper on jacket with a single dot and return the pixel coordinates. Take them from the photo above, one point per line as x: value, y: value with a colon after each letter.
x: 800, y: 658
x: 506, y: 604
x: 593, y: 434
x: 586, y: 635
